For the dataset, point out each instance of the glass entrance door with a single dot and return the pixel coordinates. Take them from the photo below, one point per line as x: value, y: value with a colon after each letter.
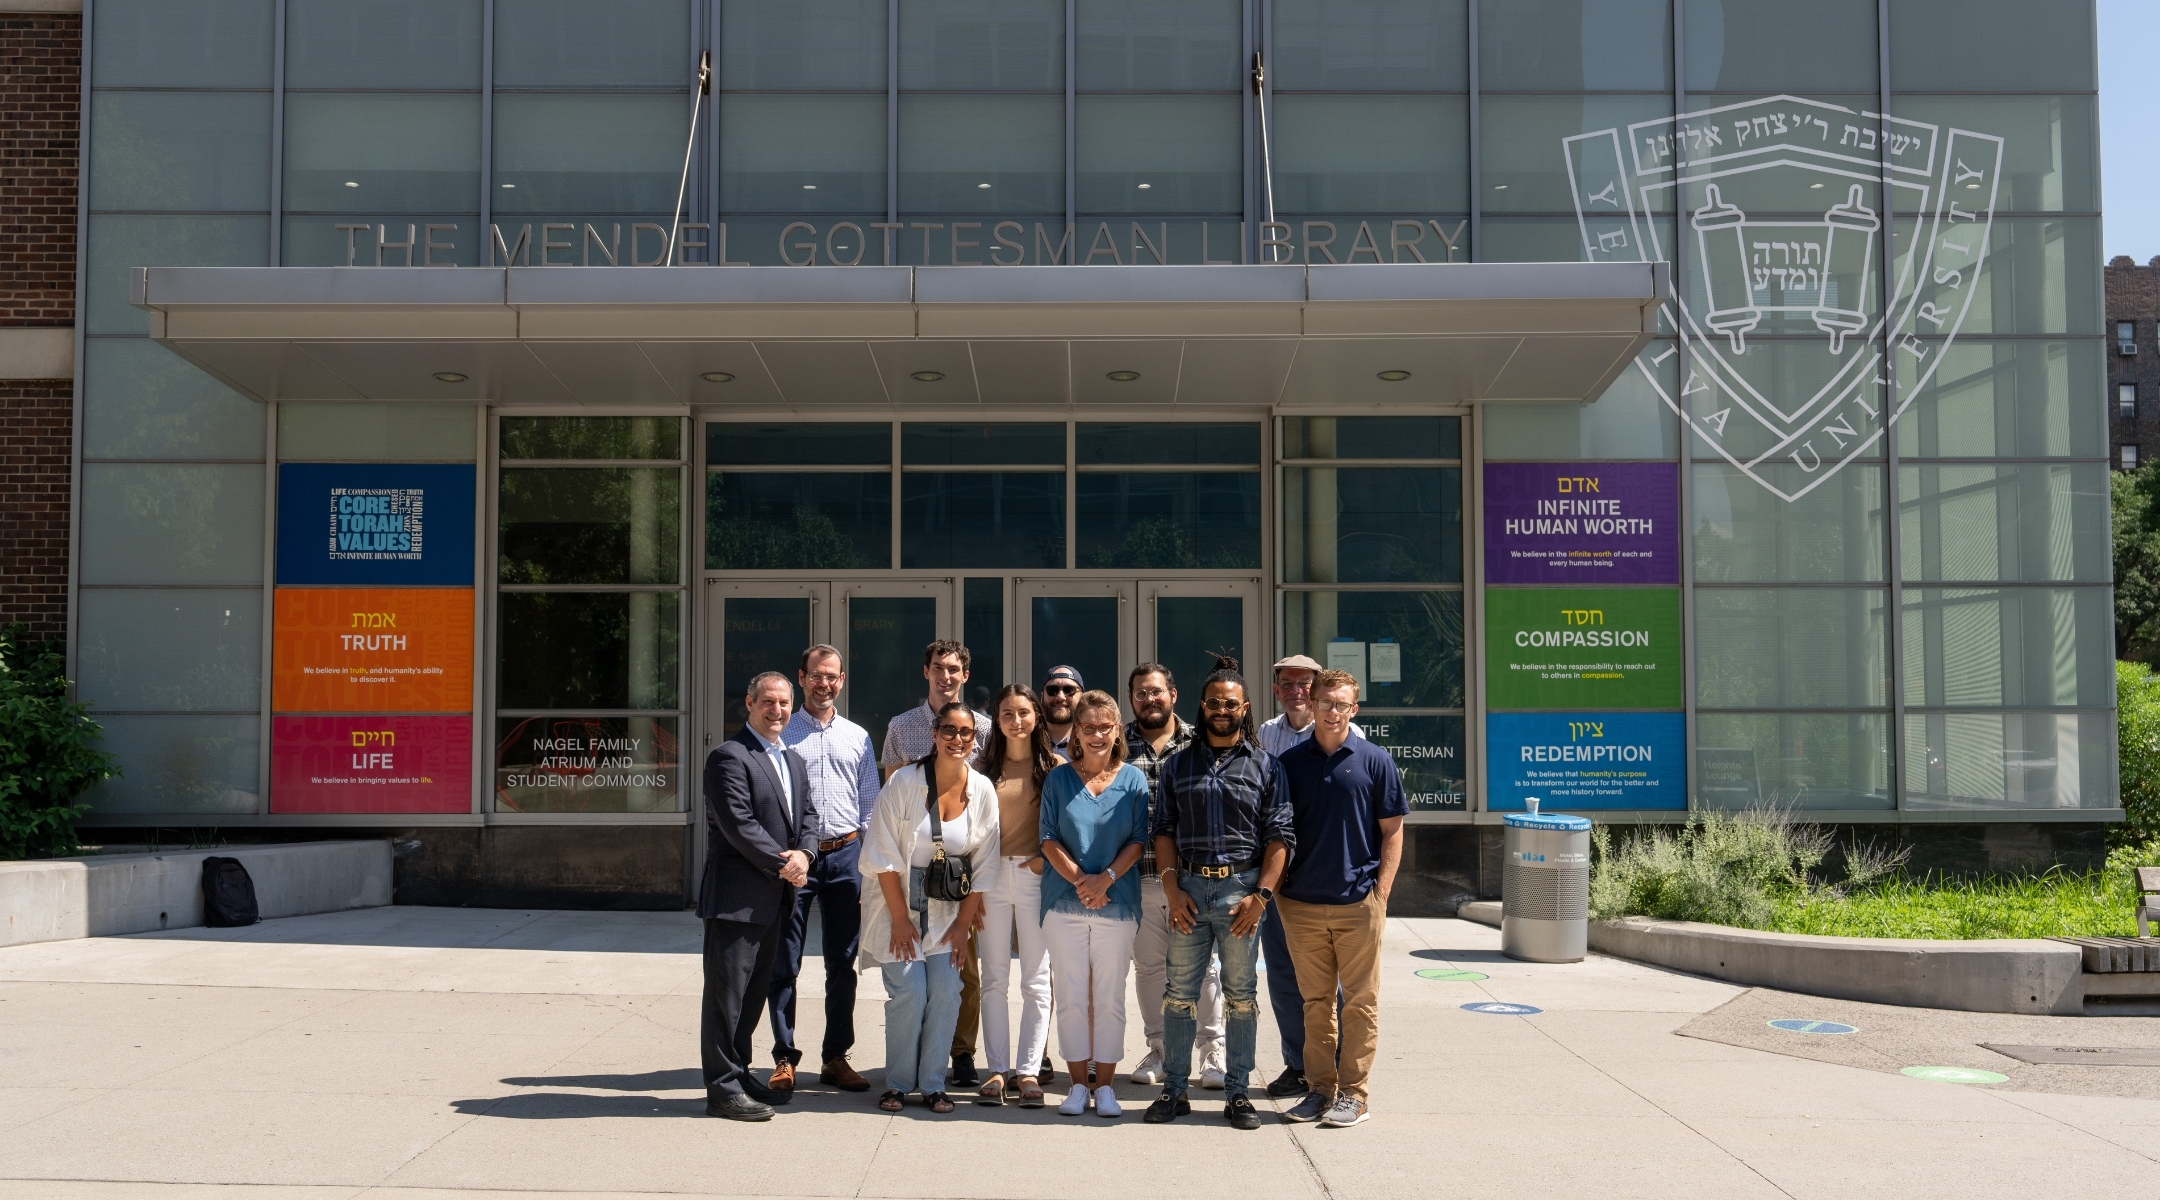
x: 1185, y: 623
x: 1104, y: 627
x: 1080, y: 623
x: 882, y: 633
x: 756, y: 627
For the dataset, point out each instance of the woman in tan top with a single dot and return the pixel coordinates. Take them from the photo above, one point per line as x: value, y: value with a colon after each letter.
x: 1016, y: 758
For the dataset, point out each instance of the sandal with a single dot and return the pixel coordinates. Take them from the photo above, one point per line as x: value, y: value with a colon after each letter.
x: 892, y: 1100
x: 938, y: 1102
x: 1031, y: 1093
x: 993, y: 1092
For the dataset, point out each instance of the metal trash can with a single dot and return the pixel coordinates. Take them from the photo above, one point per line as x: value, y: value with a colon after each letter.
x: 1545, y: 887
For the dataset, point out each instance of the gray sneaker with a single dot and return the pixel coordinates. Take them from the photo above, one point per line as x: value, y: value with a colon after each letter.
x: 1311, y: 1108
x: 1347, y: 1111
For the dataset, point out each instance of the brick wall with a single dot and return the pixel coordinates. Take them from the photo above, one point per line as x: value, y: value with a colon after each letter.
x: 2133, y: 294
x: 40, y: 111
x: 34, y: 451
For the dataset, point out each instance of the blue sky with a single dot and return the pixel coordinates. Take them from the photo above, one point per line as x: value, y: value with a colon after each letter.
x: 2129, y: 102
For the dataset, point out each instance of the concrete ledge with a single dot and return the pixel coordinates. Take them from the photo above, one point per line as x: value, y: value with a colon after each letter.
x: 2005, y: 975
x: 57, y: 899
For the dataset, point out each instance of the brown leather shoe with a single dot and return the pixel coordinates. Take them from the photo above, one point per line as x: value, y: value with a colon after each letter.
x: 782, y: 1078
x: 839, y: 1074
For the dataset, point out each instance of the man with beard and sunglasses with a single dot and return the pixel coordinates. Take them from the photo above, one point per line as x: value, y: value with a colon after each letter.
x: 1156, y: 733
x: 1223, y: 833
x: 1061, y: 687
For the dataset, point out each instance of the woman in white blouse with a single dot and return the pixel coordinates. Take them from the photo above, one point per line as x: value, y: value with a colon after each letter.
x: 922, y: 984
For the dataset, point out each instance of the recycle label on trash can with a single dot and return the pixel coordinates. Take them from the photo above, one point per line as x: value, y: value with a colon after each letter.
x: 1496, y: 1008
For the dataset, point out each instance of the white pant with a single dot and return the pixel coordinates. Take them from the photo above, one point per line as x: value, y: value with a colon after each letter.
x: 1084, y: 948
x: 1013, y: 911
x: 1151, y: 977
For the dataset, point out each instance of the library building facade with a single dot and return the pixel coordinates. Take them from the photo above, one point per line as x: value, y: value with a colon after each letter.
x: 1658, y: 405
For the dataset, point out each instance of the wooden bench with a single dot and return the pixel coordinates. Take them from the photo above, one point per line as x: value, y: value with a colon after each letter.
x: 2148, y: 903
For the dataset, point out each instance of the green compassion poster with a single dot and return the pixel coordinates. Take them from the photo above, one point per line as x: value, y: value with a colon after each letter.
x: 1582, y: 648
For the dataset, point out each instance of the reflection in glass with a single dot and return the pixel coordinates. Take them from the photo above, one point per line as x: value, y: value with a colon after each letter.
x: 1790, y: 648
x: 1159, y: 154
x: 982, y: 445
x: 590, y: 525
x: 1793, y: 375
x: 2051, y: 154
x: 1372, y: 524
x: 1372, y: 437
x: 1189, y: 632
x: 982, y: 628
x: 825, y: 521
x: 2008, y: 647
x: 2004, y: 399
x: 982, y: 45
x: 1775, y: 46
x: 1571, y: 45
x: 180, y: 150
x: 802, y: 154
x: 1170, y: 521
x: 1427, y: 626
x: 1522, y: 172
x: 590, y: 153
x: 2009, y: 760
x: 983, y: 519
x: 801, y: 45
x: 952, y: 146
x: 180, y: 650
x: 1168, y: 442
x: 1370, y: 45
x: 375, y: 152
x: 1401, y: 154
x: 1746, y: 533
x: 1428, y: 750
x: 2042, y: 275
x: 1080, y: 632
x: 1157, y: 45
x: 156, y: 43
x: 2033, y: 522
x: 1792, y: 760
x: 1630, y: 420
x: 1944, y: 45
x: 120, y: 241
x: 146, y: 523
x: 346, y: 432
x: 594, y: 43
x: 591, y: 437
x: 587, y: 764
x: 173, y: 764
x: 143, y: 401
x: 805, y: 444
x: 582, y: 650
x: 885, y: 640
x: 759, y: 634
x: 383, y: 43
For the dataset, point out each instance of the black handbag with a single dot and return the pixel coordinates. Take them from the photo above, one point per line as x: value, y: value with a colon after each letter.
x: 948, y: 879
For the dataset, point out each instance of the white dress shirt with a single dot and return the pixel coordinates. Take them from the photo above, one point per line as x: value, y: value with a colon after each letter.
x: 777, y: 752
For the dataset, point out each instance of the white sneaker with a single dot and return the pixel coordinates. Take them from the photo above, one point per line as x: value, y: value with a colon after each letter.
x: 1075, y: 1101
x: 1211, y: 1076
x: 1150, y: 1071
x: 1106, y: 1104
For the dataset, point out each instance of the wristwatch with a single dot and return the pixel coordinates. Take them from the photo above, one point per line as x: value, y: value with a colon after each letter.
x: 1111, y: 872
x: 1267, y: 894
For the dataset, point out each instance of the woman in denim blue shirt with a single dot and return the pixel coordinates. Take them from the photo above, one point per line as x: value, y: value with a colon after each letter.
x: 1094, y: 819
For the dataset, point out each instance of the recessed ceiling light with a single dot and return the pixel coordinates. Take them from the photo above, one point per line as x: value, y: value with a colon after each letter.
x: 982, y: 185
x: 927, y: 376
x: 1394, y: 376
x: 716, y: 377
x: 809, y: 187
x: 1124, y: 376
x: 351, y: 183
x: 1499, y: 187
x: 449, y: 377
x: 1972, y: 187
x: 509, y: 185
x: 1814, y: 187
x: 1146, y: 186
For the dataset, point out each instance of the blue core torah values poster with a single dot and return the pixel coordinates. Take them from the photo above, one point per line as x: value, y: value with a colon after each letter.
x: 375, y: 524
x: 1575, y: 761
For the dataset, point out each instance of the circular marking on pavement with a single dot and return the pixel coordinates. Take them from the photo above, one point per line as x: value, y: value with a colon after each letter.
x: 1955, y: 1075
x: 1799, y: 1026
x: 1451, y: 976
x: 1498, y: 1008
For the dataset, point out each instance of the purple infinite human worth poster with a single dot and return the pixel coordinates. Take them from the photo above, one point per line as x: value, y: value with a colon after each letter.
x: 1577, y: 522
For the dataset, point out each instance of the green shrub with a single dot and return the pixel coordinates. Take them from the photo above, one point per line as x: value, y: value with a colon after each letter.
x: 2137, y: 700
x: 1725, y: 868
x: 48, y: 750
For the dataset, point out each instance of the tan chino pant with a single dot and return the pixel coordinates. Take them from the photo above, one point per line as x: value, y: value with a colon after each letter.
x: 1337, y: 945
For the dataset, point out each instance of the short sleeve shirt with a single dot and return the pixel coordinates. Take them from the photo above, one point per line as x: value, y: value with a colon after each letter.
x: 1337, y: 802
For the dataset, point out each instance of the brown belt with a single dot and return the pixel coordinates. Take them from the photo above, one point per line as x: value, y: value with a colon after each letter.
x: 827, y: 847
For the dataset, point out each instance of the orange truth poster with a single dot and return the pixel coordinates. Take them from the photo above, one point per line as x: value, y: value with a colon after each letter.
x: 372, y: 650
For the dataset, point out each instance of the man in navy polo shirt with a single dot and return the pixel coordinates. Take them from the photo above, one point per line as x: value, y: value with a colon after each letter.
x: 1347, y: 808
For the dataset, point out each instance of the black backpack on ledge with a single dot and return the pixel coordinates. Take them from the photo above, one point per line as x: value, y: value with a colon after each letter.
x: 228, y: 894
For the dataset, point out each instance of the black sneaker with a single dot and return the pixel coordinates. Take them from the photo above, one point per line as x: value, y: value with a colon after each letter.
x: 1239, y: 1112
x: 963, y: 1072
x: 1290, y: 1083
x: 1169, y: 1107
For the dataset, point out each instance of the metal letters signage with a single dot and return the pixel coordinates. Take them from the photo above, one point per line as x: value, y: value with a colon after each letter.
x: 1593, y: 523
x: 1781, y: 204
x: 1582, y: 647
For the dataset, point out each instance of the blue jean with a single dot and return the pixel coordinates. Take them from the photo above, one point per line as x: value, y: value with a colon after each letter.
x: 836, y: 884
x: 922, y: 1007
x: 1187, y: 966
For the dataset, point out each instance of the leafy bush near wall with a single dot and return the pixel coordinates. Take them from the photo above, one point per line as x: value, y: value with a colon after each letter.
x: 1725, y: 868
x: 48, y: 750
x: 2134, y: 507
x: 2137, y: 731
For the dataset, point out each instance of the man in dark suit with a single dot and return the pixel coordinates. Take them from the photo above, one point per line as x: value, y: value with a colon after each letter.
x: 760, y: 837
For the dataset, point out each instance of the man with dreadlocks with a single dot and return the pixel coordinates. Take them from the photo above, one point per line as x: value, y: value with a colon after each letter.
x: 1223, y: 833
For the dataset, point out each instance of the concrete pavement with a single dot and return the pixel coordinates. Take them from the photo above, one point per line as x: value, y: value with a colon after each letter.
x: 437, y: 1053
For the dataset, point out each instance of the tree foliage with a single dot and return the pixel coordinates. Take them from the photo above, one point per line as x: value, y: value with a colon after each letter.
x: 2135, y: 503
x: 2137, y: 700
x: 48, y: 750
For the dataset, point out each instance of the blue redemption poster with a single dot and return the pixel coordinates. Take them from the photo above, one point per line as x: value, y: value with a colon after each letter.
x: 1586, y: 760
x: 375, y: 524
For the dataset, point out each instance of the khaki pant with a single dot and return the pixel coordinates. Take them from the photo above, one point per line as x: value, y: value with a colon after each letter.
x: 1331, y: 945
x: 963, y: 1039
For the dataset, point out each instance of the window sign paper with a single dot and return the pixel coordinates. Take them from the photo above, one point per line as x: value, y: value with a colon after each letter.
x: 375, y: 524
x: 1384, y: 660
x: 1582, y: 647
x: 1587, y: 523
x: 1577, y: 761
x: 1346, y: 655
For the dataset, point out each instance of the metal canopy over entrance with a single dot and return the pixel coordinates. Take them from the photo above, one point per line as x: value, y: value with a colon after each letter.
x: 820, y: 339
